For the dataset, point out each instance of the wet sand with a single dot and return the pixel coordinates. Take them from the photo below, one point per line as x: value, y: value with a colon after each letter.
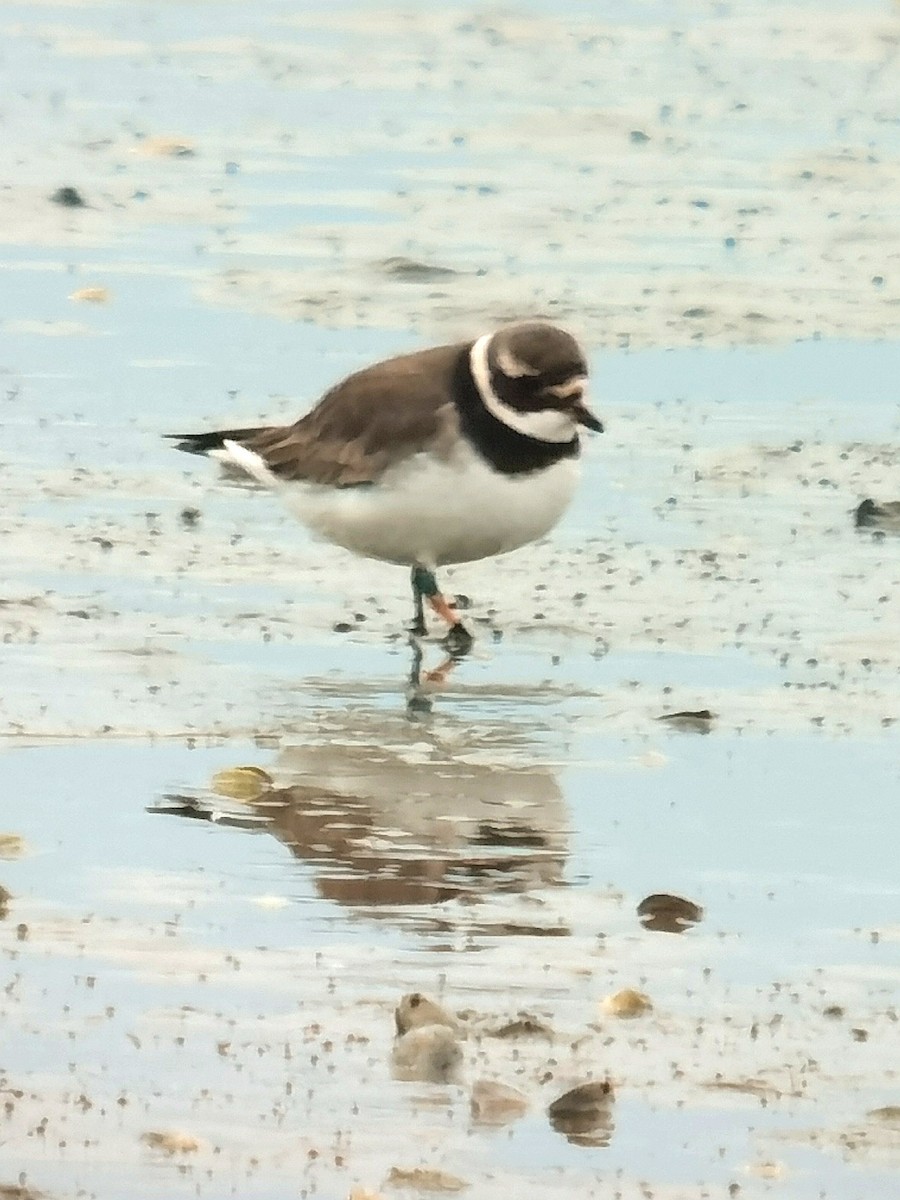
x: 271, y: 199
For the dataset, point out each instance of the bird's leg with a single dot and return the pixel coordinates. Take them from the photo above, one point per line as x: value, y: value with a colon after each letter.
x: 458, y: 640
x: 418, y: 628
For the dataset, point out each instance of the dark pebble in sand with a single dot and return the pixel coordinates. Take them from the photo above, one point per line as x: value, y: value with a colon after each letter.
x: 691, y: 720
x: 416, y: 272
x: 888, y: 1113
x: 583, y: 1098
x: 668, y: 914
x: 189, y: 517
x: 17, y: 1191
x: 68, y: 197
x: 523, y: 1027
x: 343, y: 627
x: 870, y: 515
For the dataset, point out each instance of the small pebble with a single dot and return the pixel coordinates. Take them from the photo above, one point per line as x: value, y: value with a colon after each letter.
x: 583, y: 1115
x: 171, y: 1141
x: 68, y: 197
x: 427, y: 1054
x: 667, y: 913
x: 493, y: 1103
x: 423, y: 1179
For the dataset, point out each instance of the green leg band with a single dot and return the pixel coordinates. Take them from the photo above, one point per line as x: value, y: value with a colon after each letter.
x: 424, y: 582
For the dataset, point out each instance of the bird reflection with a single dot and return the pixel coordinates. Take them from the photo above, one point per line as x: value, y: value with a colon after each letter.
x: 397, y: 813
x: 422, y: 683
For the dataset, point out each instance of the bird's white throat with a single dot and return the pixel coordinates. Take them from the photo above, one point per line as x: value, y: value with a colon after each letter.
x: 545, y: 425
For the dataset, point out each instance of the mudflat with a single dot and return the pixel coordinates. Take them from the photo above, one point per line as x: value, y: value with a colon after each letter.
x: 227, y: 847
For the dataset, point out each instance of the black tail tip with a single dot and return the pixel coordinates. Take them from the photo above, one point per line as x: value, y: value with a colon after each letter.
x: 195, y: 443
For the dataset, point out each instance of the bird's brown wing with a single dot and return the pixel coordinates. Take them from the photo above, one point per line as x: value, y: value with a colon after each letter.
x: 367, y: 423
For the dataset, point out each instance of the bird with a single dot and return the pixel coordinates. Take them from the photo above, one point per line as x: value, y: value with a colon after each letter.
x: 440, y: 456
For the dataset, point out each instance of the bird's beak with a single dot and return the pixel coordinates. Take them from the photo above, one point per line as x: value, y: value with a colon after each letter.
x: 573, y: 395
x: 584, y: 416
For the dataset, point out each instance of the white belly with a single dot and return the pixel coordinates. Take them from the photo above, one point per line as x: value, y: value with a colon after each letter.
x: 432, y: 512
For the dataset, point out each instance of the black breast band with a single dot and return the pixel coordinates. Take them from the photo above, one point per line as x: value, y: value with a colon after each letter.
x: 507, y: 450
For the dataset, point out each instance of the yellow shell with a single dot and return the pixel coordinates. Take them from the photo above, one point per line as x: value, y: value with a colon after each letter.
x: 627, y: 1003
x: 245, y: 784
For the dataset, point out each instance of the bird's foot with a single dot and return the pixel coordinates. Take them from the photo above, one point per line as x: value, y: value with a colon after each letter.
x: 458, y: 640
x: 458, y: 636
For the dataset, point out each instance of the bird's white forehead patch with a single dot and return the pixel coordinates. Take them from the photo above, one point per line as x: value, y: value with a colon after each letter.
x: 545, y: 425
x: 512, y: 367
x: 576, y: 386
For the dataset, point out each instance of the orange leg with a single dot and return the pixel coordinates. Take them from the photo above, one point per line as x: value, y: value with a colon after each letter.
x: 424, y: 584
x: 443, y: 608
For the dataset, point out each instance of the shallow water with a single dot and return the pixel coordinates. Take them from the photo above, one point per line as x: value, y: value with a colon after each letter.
x: 709, y: 197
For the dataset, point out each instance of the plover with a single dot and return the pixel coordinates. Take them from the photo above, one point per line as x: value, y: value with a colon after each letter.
x: 445, y: 455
